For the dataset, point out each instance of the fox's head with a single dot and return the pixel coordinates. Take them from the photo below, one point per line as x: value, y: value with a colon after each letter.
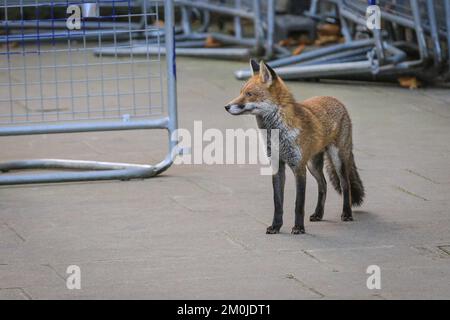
x: 260, y: 94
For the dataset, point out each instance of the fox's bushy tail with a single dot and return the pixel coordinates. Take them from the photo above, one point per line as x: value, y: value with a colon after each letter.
x: 356, y: 185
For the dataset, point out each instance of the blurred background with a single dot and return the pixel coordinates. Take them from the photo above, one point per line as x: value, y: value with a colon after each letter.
x: 304, y: 39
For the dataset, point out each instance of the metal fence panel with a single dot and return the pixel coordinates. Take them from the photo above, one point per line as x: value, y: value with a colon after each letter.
x: 51, y: 82
x: 260, y: 12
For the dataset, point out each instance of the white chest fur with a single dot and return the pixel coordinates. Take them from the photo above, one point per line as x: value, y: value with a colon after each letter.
x: 287, y: 148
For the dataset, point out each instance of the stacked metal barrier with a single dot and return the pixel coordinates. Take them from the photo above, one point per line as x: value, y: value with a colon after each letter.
x: 408, y: 25
x: 190, y: 39
x: 53, y: 84
x: 252, y: 10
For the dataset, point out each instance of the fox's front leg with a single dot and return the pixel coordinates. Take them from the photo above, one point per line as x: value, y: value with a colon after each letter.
x: 300, y: 178
x: 278, y: 181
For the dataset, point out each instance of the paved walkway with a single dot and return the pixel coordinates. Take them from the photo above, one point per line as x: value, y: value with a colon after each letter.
x: 199, y: 231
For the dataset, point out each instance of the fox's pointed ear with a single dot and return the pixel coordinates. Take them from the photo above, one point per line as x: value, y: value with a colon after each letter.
x: 267, y: 74
x: 254, y: 66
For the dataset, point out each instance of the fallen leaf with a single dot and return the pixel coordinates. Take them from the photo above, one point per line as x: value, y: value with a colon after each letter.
x: 327, y: 40
x: 286, y: 42
x: 210, y: 42
x: 298, y: 50
x: 409, y: 82
x: 159, y: 23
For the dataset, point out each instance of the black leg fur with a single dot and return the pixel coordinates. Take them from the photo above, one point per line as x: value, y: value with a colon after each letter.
x: 278, y: 181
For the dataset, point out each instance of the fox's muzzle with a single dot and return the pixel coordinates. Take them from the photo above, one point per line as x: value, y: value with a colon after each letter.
x: 235, y: 109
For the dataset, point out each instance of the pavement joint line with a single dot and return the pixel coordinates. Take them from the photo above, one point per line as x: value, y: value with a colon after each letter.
x: 17, y: 234
x: 48, y: 265
x: 353, y: 248
x: 92, y: 148
x: 433, y: 252
x: 445, y: 249
x: 21, y: 290
x: 427, y: 252
x: 309, y: 254
x: 423, y: 249
x: 236, y: 241
x: 181, y: 205
x: 123, y: 260
x: 257, y: 219
x: 379, y: 295
x: 410, y: 193
x: 229, y: 191
x: 304, y: 285
x: 421, y: 176
x: 195, y: 183
x: 329, y: 266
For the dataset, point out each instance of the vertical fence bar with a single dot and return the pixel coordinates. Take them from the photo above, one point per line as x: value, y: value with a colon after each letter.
x: 237, y: 21
x: 270, y: 27
x: 344, y: 26
x: 169, y: 25
x: 186, y: 19
x: 259, y: 32
x: 447, y: 18
x: 419, y: 29
x: 313, y: 8
x: 434, y: 32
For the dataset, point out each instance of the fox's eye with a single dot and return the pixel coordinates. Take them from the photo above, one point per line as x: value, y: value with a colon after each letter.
x: 248, y: 94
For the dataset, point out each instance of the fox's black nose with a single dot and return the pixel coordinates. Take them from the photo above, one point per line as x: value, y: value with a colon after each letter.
x: 227, y: 107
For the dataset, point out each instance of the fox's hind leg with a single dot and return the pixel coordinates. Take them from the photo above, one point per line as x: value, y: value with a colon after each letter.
x: 278, y: 181
x: 340, y: 163
x: 315, y: 166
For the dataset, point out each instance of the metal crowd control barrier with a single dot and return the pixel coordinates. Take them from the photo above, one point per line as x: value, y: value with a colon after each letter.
x: 191, y: 41
x: 381, y: 54
x: 252, y: 10
x: 261, y: 12
x: 429, y: 20
x: 60, y: 87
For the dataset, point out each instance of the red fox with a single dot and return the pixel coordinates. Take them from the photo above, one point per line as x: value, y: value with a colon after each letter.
x: 310, y: 132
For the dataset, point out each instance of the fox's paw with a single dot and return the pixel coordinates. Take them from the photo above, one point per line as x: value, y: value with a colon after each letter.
x: 273, y: 230
x: 316, y: 217
x: 298, y: 230
x: 346, y: 217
